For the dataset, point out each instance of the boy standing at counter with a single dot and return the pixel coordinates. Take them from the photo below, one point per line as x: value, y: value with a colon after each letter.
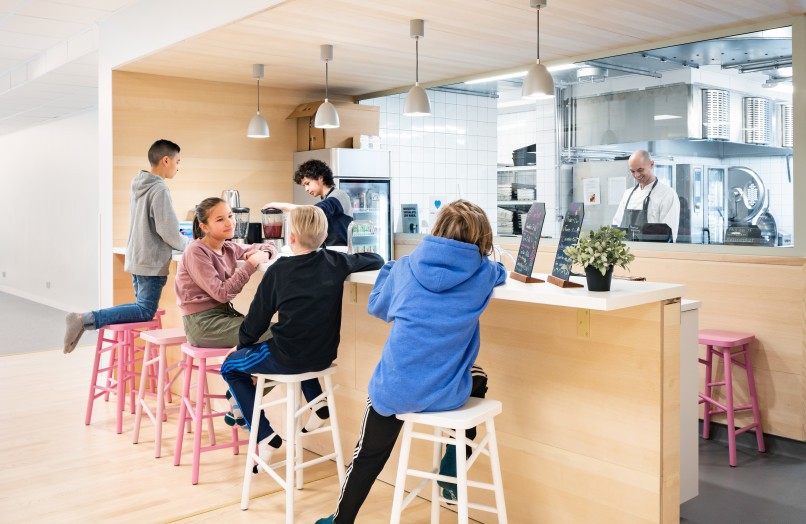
x: 153, y: 233
x: 317, y: 179
x: 306, y: 291
x: 434, y: 297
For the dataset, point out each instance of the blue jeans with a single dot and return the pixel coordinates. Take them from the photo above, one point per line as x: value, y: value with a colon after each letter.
x: 237, y: 370
x: 147, y: 292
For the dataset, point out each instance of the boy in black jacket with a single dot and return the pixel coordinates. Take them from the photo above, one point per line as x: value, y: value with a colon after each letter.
x: 306, y: 290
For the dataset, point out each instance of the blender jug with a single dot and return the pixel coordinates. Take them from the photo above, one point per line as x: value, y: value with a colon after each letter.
x: 241, y: 216
x: 273, y: 226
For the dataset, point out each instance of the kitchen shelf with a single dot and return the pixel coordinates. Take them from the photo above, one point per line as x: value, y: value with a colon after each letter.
x: 516, y: 168
x: 516, y: 202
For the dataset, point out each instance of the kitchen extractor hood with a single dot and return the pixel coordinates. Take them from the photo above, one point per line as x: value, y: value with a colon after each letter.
x: 676, y: 118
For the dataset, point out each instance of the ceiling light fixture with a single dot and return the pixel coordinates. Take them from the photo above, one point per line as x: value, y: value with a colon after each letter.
x: 538, y: 82
x: 258, y: 127
x: 326, y: 115
x: 417, y: 103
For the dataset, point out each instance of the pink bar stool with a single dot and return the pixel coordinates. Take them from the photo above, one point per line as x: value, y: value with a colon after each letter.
x: 157, y: 343
x: 202, y: 410
x: 117, y: 340
x: 720, y: 344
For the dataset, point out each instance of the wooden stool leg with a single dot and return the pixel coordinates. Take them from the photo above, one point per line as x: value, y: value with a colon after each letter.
x: 461, y: 476
x: 726, y: 354
x: 751, y: 387
x: 706, y: 418
x: 141, y: 391
x: 183, y: 408
x: 334, y: 429
x: 402, y: 466
x: 292, y: 401
x: 435, y: 460
x: 94, y: 380
x: 161, y: 385
x: 495, y: 464
x: 122, y: 351
x: 201, y: 389
x: 252, y: 447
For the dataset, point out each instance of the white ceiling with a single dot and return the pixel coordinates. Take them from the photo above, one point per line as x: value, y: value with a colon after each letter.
x: 48, y: 59
x: 48, y: 49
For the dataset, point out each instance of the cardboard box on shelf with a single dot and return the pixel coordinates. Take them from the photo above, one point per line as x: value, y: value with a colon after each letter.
x: 354, y: 119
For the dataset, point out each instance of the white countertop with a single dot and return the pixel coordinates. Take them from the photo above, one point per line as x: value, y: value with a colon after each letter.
x: 623, y: 293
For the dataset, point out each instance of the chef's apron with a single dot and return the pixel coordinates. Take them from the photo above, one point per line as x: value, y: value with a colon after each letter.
x: 635, y: 219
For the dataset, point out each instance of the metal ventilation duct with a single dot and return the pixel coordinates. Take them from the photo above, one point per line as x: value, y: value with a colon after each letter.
x: 591, y: 74
x: 787, y: 125
x: 715, y: 114
x: 756, y: 119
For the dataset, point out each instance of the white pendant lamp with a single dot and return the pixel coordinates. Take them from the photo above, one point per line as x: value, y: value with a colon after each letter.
x: 417, y: 103
x: 258, y: 127
x: 326, y: 115
x: 538, y: 82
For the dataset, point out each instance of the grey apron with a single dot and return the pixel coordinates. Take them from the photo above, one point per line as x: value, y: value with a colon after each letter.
x: 635, y: 219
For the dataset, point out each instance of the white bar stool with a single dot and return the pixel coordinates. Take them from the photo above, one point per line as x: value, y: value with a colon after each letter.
x: 162, y: 338
x: 293, y: 450
x: 452, y: 423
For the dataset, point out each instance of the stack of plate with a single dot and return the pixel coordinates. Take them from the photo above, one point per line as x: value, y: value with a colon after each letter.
x: 526, y: 193
x: 505, y: 221
x: 505, y: 192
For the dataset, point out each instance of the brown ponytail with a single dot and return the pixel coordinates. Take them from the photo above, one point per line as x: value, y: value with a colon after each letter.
x: 202, y: 213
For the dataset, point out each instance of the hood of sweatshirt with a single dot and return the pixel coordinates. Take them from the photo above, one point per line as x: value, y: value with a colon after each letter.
x: 144, y: 182
x: 440, y: 264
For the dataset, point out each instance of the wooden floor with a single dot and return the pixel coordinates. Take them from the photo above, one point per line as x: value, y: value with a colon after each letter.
x: 56, y: 469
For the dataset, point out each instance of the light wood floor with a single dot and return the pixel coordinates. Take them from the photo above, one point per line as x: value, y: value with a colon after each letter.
x: 53, y: 468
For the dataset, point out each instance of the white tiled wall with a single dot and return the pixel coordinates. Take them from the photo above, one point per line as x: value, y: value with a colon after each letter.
x: 445, y: 156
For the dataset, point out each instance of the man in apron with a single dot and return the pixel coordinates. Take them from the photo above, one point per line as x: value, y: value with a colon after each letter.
x: 649, y: 202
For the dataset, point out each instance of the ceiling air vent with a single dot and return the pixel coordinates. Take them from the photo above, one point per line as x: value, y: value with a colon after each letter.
x: 715, y: 114
x: 591, y: 74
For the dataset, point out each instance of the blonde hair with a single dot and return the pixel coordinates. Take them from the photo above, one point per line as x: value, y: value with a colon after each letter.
x: 309, y: 224
x: 466, y: 222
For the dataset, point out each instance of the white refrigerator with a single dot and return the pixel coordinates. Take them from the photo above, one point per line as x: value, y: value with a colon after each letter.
x: 364, y: 175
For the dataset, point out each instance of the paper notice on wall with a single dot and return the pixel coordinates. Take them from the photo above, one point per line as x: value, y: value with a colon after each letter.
x: 615, y: 189
x: 591, y: 190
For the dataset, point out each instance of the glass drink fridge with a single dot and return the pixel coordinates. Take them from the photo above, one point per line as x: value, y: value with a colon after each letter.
x: 365, y: 176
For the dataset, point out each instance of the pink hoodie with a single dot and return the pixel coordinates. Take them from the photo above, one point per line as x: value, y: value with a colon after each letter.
x: 205, y: 279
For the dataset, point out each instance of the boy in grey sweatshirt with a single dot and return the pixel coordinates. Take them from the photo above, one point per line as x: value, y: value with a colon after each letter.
x: 153, y: 233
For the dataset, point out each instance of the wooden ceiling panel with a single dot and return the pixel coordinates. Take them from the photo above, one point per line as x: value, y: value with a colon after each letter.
x: 373, y: 51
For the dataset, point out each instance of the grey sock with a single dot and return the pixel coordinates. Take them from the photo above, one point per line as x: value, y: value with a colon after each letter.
x: 89, y: 320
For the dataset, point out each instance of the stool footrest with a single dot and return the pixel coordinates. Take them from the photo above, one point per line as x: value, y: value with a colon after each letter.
x: 227, y: 445
x: 314, y: 462
x: 748, y: 427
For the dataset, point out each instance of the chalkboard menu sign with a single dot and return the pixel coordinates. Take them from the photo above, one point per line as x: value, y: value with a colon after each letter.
x: 568, y: 237
x: 530, y: 237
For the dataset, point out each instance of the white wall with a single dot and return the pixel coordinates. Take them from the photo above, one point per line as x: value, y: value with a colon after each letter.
x: 445, y: 156
x: 48, y: 187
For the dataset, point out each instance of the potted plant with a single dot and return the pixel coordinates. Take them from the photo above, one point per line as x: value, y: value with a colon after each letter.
x: 597, y: 252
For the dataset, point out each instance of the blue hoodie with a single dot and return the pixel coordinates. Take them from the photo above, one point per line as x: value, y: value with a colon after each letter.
x: 435, y: 297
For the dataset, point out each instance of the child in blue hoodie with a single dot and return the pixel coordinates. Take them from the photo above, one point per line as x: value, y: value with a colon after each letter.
x: 434, y: 297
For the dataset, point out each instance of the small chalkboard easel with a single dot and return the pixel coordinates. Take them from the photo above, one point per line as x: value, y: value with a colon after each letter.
x: 569, y: 236
x: 530, y: 237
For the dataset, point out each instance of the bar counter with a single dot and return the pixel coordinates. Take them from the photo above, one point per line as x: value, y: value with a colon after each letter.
x: 590, y: 384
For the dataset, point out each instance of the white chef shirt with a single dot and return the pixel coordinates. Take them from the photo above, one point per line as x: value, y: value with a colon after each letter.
x: 664, y: 205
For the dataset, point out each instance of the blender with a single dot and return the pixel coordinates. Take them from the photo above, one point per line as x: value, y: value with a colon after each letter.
x: 241, y: 216
x: 273, y: 226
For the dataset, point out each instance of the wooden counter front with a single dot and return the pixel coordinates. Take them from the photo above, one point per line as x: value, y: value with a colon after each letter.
x: 590, y: 427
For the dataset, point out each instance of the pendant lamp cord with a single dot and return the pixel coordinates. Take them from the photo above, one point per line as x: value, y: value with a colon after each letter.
x: 258, y: 96
x: 417, y: 60
x: 326, y: 61
x: 538, y: 33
